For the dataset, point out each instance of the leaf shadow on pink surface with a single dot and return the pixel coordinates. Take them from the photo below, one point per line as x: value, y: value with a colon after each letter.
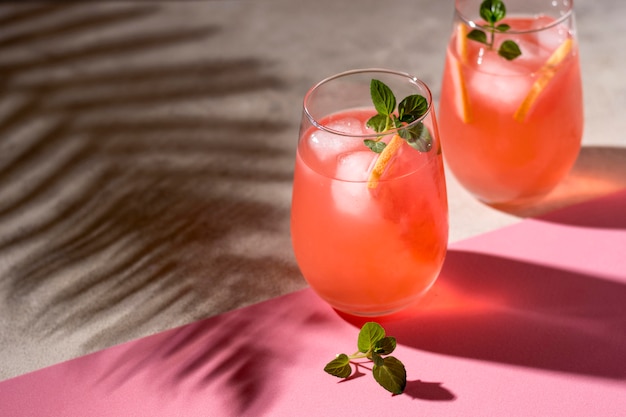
x: 232, y: 354
x: 501, y: 310
x: 430, y: 391
x: 358, y: 370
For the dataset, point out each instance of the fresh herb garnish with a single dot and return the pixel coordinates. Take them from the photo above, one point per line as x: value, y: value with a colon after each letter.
x: 388, y: 371
x: 494, y: 11
x: 410, y: 109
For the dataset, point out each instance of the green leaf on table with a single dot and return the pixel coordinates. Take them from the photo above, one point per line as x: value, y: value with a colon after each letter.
x: 377, y: 359
x: 391, y: 375
x: 370, y: 333
x: 388, y: 371
x: 339, y: 367
x: 385, y: 346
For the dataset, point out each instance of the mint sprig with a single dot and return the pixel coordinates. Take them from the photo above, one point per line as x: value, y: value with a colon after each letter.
x: 494, y: 11
x: 373, y: 344
x: 410, y: 109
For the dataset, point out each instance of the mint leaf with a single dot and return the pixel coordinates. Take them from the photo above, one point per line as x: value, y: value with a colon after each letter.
x: 370, y: 333
x: 388, y: 371
x: 339, y: 367
x: 509, y: 50
x: 375, y: 146
x: 478, y: 36
x: 418, y: 137
x: 412, y: 108
x: 378, y: 123
x: 382, y: 97
x: 391, y: 375
x: 492, y: 11
x: 385, y: 346
x: 377, y: 359
x: 503, y: 27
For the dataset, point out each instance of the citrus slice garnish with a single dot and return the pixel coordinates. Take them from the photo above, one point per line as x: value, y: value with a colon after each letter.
x: 383, y: 160
x: 547, y: 71
x: 462, y: 96
x: 461, y: 42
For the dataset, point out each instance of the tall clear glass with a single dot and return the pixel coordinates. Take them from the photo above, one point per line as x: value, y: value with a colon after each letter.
x: 511, y: 129
x: 369, y: 230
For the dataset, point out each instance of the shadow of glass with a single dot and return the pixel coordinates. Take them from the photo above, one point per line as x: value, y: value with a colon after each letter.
x: 610, y: 214
x: 598, y: 171
x: 501, y: 310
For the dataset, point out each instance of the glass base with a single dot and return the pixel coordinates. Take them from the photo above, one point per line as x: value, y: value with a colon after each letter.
x: 379, y: 311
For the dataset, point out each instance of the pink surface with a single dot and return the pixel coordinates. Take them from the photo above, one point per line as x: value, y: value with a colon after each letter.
x: 529, y: 320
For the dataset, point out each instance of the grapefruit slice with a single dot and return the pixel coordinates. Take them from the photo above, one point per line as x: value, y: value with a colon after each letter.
x: 383, y: 160
x: 461, y: 42
x: 462, y: 96
x: 546, y: 72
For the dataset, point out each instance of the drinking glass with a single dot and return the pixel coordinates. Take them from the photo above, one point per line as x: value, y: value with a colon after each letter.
x: 511, y: 129
x: 369, y: 230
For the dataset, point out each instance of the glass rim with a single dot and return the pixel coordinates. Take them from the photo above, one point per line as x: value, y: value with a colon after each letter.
x: 407, y: 76
x: 472, y: 23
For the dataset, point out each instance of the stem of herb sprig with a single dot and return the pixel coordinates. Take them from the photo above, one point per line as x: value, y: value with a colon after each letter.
x: 358, y: 355
x: 373, y: 344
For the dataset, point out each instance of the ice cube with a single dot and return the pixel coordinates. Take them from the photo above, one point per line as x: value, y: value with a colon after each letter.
x: 348, y: 126
x: 349, y: 190
x: 327, y: 146
x: 550, y: 38
x: 498, y: 89
x: 354, y: 166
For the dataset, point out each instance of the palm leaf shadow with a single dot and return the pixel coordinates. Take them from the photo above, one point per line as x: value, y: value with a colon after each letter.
x: 235, y: 352
x: 137, y: 210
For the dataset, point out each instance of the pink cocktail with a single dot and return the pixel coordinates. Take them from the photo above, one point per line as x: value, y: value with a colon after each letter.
x: 511, y: 129
x: 368, y: 240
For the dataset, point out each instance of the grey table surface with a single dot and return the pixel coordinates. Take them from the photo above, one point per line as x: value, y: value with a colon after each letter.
x: 147, y: 150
